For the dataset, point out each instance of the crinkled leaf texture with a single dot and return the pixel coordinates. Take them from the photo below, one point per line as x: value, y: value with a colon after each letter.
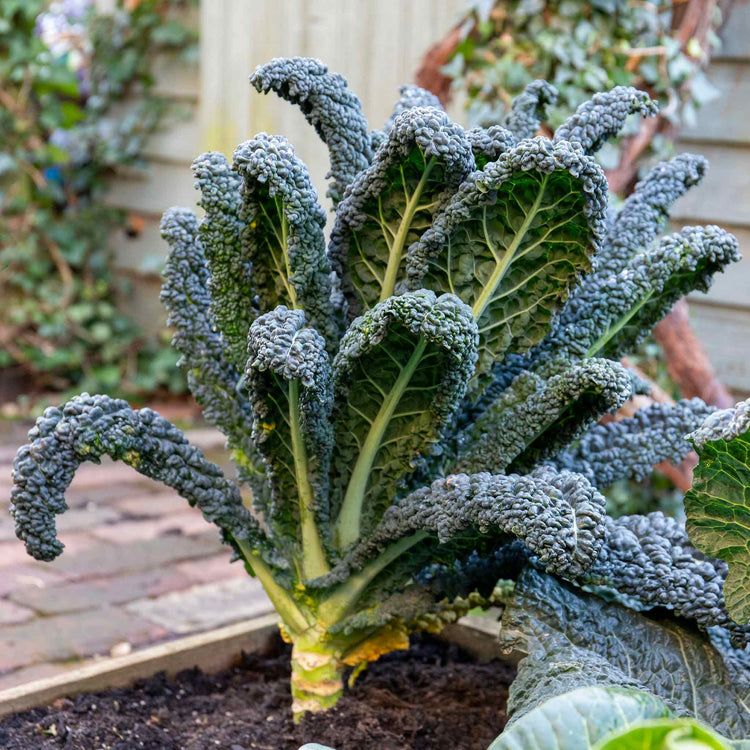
x: 631, y: 447
x: 282, y: 234
x: 513, y: 240
x: 558, y: 516
x: 329, y: 106
x: 399, y: 375
x: 650, y: 560
x: 288, y: 381
x: 88, y: 427
x: 419, y: 165
x: 718, y: 504
x: 575, y: 639
x: 535, y: 418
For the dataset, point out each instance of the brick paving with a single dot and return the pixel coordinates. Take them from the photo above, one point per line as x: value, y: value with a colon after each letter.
x: 139, y: 567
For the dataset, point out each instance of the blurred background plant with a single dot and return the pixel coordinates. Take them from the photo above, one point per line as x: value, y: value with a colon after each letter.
x: 582, y: 47
x: 76, y: 103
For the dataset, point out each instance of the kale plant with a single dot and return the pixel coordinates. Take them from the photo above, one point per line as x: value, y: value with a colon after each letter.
x: 415, y: 408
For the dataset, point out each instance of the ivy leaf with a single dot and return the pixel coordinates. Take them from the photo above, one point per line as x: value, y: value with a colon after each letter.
x: 718, y: 504
x: 389, y: 205
x: 512, y: 241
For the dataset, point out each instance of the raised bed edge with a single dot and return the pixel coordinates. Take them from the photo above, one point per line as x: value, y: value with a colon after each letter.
x: 211, y: 651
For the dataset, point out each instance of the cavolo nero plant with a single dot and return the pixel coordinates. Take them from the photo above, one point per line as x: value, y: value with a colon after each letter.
x: 415, y: 407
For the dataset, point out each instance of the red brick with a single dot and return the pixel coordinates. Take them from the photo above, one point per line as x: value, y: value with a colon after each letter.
x: 105, y: 474
x: 158, y: 504
x: 76, y: 519
x: 34, y: 672
x: 72, y: 636
x: 126, y: 532
x: 71, y: 597
x: 24, y: 576
x: 115, y: 559
x: 12, y: 613
x: 212, y: 569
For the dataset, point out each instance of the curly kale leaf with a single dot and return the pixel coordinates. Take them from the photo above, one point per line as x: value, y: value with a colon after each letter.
x: 578, y: 640
x: 529, y: 109
x: 288, y: 380
x: 557, y: 515
x: 230, y: 278
x: 420, y: 164
x: 399, y: 375
x: 88, y: 427
x: 718, y: 504
x: 646, y: 211
x: 411, y: 98
x: 630, y: 448
x: 211, y: 377
x: 651, y: 560
x: 603, y: 116
x: 283, y: 232
x: 512, y: 241
x: 329, y: 106
x: 535, y: 418
x: 611, y: 315
x: 489, y: 144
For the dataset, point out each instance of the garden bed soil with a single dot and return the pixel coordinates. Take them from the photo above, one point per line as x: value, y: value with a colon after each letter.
x: 433, y: 696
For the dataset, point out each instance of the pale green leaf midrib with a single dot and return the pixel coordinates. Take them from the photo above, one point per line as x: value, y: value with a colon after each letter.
x: 396, y: 254
x: 610, y: 333
x: 502, y: 267
x: 314, y: 559
x: 347, y: 529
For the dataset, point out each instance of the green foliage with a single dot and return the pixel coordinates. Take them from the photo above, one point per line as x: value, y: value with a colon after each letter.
x: 718, y: 504
x: 582, y: 48
x: 358, y: 444
x: 666, y: 734
x: 63, y: 137
x: 576, y: 720
x: 577, y: 640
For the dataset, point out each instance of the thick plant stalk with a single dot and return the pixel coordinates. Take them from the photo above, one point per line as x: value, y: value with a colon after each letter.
x: 317, y: 676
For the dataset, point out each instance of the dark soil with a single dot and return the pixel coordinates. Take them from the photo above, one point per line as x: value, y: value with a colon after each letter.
x: 433, y: 696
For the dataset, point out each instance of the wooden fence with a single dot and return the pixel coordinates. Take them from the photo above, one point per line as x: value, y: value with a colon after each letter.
x: 377, y: 46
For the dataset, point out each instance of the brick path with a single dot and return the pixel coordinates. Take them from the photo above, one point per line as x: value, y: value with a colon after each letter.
x: 140, y: 566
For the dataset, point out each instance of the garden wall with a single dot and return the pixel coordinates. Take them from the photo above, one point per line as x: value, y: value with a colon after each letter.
x: 377, y: 46
x: 722, y: 135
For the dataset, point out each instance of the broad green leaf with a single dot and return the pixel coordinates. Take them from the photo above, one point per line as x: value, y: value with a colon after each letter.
x: 666, y: 734
x: 288, y: 381
x: 389, y: 205
x: 718, y: 504
x: 512, y: 242
x: 606, y: 644
x: 578, y: 719
x: 399, y: 375
x: 534, y: 418
x: 283, y: 232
